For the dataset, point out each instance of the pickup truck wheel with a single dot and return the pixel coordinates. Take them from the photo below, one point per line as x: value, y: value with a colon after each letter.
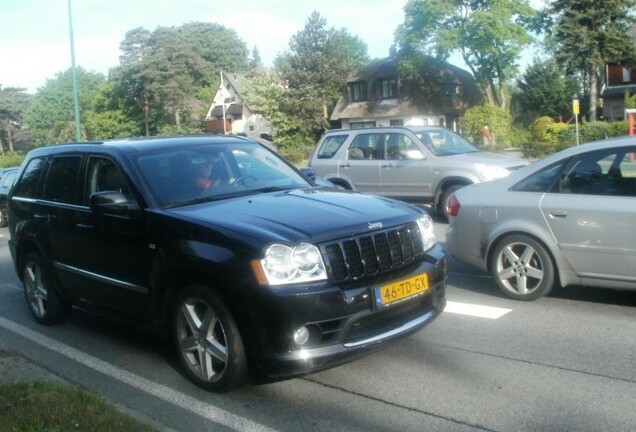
x: 208, y: 341
x: 46, y: 305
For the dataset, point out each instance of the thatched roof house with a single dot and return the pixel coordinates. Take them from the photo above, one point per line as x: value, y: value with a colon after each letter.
x: 380, y: 95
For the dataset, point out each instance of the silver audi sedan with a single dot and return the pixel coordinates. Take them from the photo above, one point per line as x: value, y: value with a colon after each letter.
x: 568, y: 219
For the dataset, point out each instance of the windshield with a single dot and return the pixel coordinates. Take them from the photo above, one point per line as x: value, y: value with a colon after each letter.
x: 444, y: 142
x: 199, y: 173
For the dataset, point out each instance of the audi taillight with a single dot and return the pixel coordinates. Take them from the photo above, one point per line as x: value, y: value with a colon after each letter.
x: 453, y: 205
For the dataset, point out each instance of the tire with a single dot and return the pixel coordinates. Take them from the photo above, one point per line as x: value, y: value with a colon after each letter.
x: 522, y: 268
x: 445, y: 197
x: 341, y: 184
x: 46, y: 305
x: 207, y: 339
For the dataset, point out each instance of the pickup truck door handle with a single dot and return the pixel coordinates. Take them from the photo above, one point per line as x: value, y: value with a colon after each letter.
x: 345, y: 165
x: 388, y: 165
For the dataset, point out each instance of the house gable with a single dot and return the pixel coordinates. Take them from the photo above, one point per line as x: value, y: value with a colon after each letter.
x: 229, y: 114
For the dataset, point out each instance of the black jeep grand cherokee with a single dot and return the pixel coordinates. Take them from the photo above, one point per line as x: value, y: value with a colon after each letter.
x: 252, y: 268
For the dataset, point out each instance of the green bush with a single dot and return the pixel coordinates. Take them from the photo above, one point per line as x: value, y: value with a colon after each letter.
x: 539, y: 129
x: 548, y: 137
x: 11, y: 159
x: 498, y: 120
x: 519, y: 137
x: 618, y: 129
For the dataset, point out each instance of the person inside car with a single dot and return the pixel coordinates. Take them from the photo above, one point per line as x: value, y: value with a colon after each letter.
x: 202, y: 173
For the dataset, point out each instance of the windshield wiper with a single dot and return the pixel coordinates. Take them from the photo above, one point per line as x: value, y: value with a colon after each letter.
x: 274, y: 189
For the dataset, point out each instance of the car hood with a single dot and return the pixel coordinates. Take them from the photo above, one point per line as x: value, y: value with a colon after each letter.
x: 313, y: 214
x: 489, y: 158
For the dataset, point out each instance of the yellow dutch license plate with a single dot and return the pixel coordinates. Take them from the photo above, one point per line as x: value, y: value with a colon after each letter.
x: 400, y: 290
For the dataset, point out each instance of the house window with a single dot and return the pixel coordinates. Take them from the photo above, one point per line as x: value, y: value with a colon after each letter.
x: 452, y: 91
x: 388, y: 88
x: 397, y: 122
x: 358, y: 125
x: 359, y: 91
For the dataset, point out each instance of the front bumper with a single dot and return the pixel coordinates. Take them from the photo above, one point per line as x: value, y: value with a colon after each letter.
x: 345, y: 323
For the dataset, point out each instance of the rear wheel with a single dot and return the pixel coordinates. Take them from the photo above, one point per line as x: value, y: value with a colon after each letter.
x: 46, y: 305
x: 522, y: 268
x: 208, y: 341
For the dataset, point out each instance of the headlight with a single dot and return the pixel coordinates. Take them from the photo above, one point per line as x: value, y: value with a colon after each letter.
x: 427, y: 231
x: 491, y: 172
x: 284, y: 264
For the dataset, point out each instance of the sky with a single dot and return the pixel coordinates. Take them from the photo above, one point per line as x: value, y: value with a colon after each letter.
x: 35, y: 34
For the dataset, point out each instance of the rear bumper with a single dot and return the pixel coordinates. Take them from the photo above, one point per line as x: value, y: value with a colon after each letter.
x: 457, y: 247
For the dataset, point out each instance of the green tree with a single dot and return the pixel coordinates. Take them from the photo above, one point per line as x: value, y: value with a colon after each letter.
x: 630, y: 100
x: 255, y: 60
x: 543, y: 90
x: 14, y: 103
x: 162, y: 73
x: 135, y: 77
x: 488, y: 34
x: 312, y: 73
x: 51, y: 116
x: 585, y: 34
x: 106, y: 117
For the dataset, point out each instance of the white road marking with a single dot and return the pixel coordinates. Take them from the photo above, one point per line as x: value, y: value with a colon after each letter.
x: 160, y: 391
x: 475, y: 310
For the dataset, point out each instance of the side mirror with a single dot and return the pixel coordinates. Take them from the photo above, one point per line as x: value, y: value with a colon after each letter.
x: 309, y: 172
x: 114, y: 203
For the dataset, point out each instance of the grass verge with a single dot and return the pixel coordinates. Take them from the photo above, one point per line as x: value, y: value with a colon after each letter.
x: 47, y: 407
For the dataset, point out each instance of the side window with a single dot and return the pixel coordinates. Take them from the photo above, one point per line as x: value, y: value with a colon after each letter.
x: 401, y: 147
x: 330, y: 146
x: 624, y: 173
x: 366, y: 146
x: 27, y: 187
x: 104, y: 175
x: 542, y: 181
x: 7, y: 181
x: 599, y: 173
x: 61, y: 181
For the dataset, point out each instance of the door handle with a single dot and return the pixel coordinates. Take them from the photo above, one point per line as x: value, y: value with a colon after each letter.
x: 558, y: 214
x: 43, y: 217
x: 345, y: 165
x: 389, y: 165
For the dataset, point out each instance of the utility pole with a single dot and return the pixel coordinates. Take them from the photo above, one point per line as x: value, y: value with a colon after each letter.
x: 78, y: 128
x: 575, y: 110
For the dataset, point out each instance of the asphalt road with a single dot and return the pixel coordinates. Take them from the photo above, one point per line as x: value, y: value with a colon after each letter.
x: 566, y: 362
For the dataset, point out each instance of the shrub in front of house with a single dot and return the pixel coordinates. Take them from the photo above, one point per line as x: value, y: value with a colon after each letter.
x: 498, y: 121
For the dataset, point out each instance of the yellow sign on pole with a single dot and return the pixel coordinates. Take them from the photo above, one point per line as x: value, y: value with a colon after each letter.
x: 575, y: 106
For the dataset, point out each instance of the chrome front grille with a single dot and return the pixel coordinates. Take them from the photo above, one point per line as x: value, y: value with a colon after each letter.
x: 374, y: 253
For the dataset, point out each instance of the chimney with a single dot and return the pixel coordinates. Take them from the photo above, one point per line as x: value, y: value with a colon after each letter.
x: 393, y: 51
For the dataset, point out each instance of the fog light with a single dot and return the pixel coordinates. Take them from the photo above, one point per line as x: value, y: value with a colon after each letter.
x: 301, y: 336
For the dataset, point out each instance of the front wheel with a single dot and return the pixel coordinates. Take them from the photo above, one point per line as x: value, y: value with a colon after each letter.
x: 522, y: 268
x: 208, y: 341
x: 46, y: 305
